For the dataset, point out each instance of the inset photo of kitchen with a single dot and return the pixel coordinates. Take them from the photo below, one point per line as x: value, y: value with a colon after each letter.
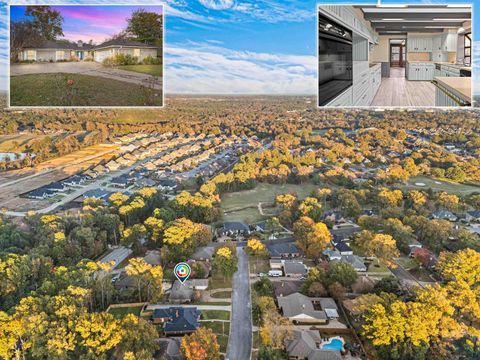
x: 395, y: 55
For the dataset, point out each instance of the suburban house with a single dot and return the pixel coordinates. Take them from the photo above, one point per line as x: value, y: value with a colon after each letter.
x: 285, y: 288
x: 444, y: 215
x: 183, y: 293
x: 203, y: 253
x: 301, y: 309
x: 343, y: 248
x: 62, y: 50
x: 177, y: 320
x: 234, y: 228
x: 354, y: 260
x: 306, y: 344
x: 332, y: 254
x: 283, y: 250
x: 473, y: 216
x: 294, y: 269
x: 40, y: 193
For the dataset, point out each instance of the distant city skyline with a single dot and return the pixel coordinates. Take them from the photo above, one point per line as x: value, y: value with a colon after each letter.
x: 239, y: 46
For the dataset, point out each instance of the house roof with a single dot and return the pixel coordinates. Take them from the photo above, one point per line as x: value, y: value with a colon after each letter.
x: 332, y: 254
x: 297, y: 304
x: 319, y: 354
x: 302, y: 343
x: 59, y: 44
x: 474, y: 213
x: 355, y: 261
x: 203, y: 253
x: 181, y: 319
x: 40, y: 192
x: 342, y: 247
x: 181, y: 292
x: 277, y: 250
x: 294, y: 267
x: 124, y: 42
x: 285, y: 288
x: 97, y: 193
x: 443, y: 214
x: 235, y: 226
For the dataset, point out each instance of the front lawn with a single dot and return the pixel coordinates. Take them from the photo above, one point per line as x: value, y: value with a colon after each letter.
x: 86, y: 90
x: 215, y: 315
x: 120, y: 312
x: 154, y: 70
x: 222, y: 295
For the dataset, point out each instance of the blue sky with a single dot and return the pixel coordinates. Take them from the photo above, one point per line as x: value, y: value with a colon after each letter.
x: 232, y: 46
x: 96, y: 23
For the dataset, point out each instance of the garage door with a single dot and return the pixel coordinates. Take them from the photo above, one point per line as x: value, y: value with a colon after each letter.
x: 101, y: 55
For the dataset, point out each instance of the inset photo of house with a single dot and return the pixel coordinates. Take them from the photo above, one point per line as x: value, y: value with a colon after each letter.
x: 86, y: 56
x: 395, y: 55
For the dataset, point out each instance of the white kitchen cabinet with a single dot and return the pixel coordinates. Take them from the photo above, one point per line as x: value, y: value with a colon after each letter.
x: 420, y: 71
x: 419, y: 44
x: 344, y: 99
x: 437, y: 42
x: 449, y: 42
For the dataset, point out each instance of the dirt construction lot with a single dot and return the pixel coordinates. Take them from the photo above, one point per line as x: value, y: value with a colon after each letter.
x: 16, y: 182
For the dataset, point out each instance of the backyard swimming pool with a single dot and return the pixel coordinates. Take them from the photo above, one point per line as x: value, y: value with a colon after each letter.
x: 333, y: 344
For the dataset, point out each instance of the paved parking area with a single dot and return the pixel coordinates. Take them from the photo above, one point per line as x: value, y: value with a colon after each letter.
x: 85, y: 68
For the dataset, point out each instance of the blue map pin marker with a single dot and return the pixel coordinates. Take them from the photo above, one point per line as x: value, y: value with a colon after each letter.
x: 182, y: 272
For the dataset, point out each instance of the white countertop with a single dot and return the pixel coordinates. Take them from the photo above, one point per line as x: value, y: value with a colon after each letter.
x: 460, y: 86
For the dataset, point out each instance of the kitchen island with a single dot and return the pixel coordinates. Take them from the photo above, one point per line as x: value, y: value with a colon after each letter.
x: 453, y: 91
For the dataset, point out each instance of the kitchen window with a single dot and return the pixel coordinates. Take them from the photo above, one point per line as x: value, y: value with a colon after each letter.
x: 467, y: 48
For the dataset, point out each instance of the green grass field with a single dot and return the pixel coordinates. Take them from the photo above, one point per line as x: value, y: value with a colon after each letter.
x: 215, y: 315
x: 155, y: 70
x: 52, y: 90
x: 439, y: 185
x: 222, y: 295
x: 264, y: 193
x: 120, y: 312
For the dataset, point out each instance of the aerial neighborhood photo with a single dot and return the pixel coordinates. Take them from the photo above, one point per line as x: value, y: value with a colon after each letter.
x: 240, y: 221
x: 86, y: 56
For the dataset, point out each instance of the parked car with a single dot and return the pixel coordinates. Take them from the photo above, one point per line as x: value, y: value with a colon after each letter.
x: 275, y: 273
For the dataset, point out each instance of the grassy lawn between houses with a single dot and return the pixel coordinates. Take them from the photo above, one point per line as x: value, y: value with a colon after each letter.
x: 222, y: 295
x: 154, y: 70
x: 52, y: 90
x: 215, y: 315
x: 120, y: 312
x: 245, y: 203
x: 440, y: 185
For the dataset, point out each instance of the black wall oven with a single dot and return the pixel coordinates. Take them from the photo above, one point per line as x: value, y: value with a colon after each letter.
x: 335, y: 64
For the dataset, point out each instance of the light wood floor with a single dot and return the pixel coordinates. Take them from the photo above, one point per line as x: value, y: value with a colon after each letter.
x: 398, y: 91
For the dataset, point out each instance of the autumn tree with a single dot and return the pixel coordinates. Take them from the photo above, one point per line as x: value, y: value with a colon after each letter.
x: 256, y: 247
x: 139, y: 337
x: 148, y: 279
x: 312, y: 238
x: 382, y: 246
x: 201, y: 345
x: 224, y: 261
x: 99, y: 333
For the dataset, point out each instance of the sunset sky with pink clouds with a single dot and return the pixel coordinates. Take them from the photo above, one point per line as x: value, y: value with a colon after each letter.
x: 96, y: 23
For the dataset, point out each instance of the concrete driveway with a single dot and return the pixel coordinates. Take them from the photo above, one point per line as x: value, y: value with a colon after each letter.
x: 85, y: 68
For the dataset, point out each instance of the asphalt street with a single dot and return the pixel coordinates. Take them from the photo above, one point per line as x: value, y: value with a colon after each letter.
x: 240, y: 340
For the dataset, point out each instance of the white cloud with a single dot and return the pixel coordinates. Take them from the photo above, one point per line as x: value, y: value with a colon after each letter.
x: 206, y: 69
x: 217, y: 4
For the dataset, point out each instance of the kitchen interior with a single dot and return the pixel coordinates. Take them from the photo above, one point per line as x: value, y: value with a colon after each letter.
x: 394, y: 55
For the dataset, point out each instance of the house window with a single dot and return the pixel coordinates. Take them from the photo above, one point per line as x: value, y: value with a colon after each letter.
x: 31, y: 54
x: 136, y: 52
x: 467, y: 48
x: 60, y: 55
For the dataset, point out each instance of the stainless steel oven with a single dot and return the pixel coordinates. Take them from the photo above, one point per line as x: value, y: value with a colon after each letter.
x: 335, y: 62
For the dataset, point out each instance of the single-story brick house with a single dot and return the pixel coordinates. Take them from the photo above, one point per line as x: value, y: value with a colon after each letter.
x: 61, y: 50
